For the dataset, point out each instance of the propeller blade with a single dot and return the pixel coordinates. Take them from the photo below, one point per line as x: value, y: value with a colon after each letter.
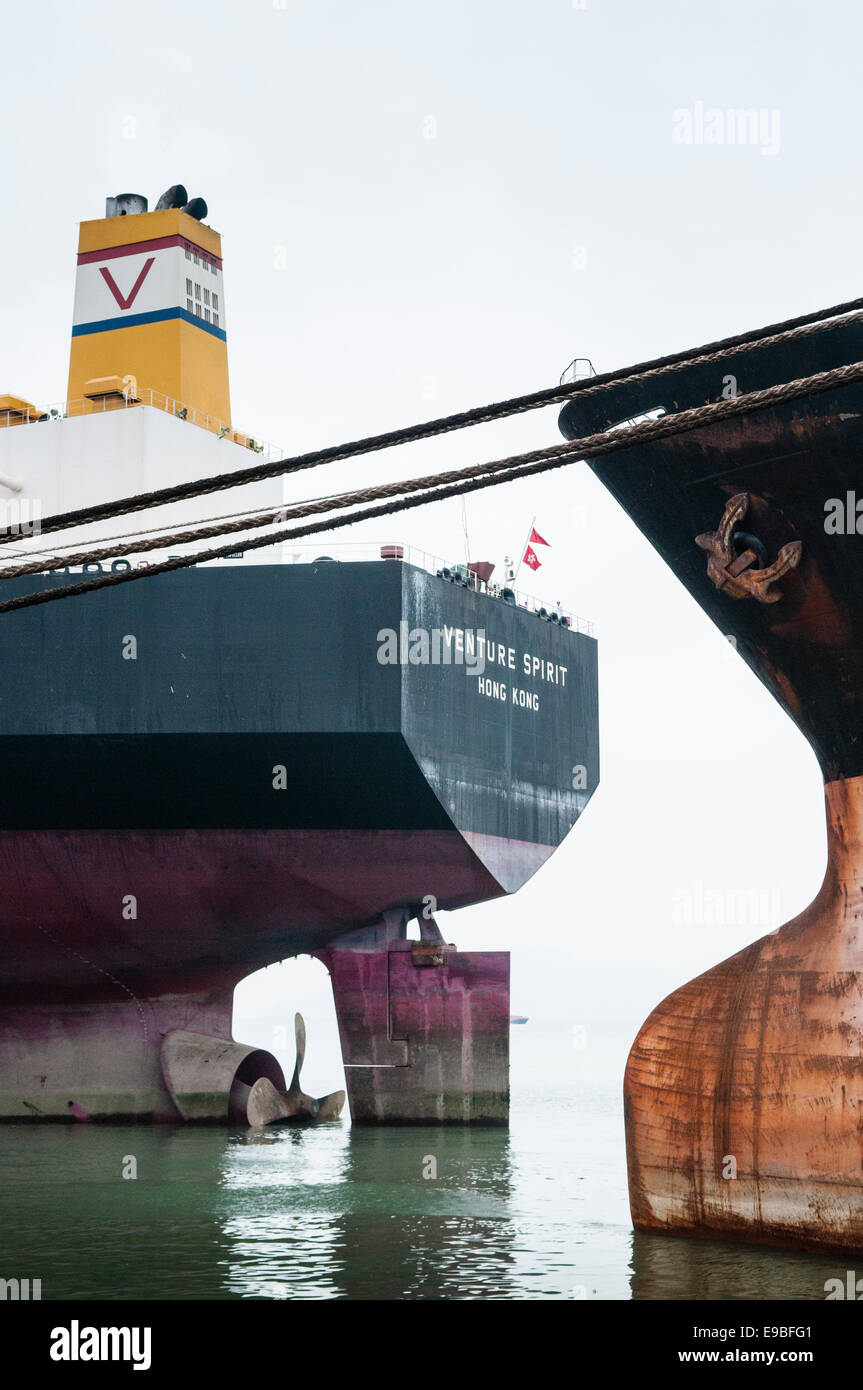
x: 300, y: 1037
x: 268, y: 1106
x: 265, y: 1104
x: 330, y: 1107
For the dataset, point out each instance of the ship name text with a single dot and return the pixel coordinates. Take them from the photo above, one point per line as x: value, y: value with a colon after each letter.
x: 467, y: 647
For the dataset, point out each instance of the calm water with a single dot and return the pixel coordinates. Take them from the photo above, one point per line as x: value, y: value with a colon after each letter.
x: 335, y: 1212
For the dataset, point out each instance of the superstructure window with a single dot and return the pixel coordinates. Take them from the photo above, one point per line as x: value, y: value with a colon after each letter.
x: 215, y: 300
x: 197, y: 291
x: 190, y: 306
x: 189, y: 288
x: 207, y: 315
x: 215, y: 320
x: 206, y: 296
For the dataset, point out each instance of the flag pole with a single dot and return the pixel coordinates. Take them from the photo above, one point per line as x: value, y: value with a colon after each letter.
x: 523, y: 549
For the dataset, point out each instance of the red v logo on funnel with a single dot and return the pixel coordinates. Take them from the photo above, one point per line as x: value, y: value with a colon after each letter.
x: 133, y: 293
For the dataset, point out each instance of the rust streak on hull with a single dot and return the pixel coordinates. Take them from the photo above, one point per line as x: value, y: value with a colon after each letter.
x: 760, y: 1060
x: 758, y: 1063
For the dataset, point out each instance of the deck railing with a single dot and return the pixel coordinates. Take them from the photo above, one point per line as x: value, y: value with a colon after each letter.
x: 101, y: 405
x: 433, y: 564
x: 414, y: 555
x: 578, y: 370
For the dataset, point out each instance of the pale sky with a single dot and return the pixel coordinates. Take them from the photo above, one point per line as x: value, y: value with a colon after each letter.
x: 427, y: 207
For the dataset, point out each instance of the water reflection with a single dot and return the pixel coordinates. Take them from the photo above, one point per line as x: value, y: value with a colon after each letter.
x: 331, y: 1212
x: 678, y: 1267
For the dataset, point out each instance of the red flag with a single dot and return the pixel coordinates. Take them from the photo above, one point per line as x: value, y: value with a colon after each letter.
x: 536, y: 539
x: 531, y: 559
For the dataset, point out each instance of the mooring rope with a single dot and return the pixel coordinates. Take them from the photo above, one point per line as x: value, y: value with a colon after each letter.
x: 59, y: 557
x: 788, y: 330
x: 428, y: 489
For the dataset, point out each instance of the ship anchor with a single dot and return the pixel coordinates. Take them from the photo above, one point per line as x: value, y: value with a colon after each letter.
x: 268, y: 1106
x: 732, y: 572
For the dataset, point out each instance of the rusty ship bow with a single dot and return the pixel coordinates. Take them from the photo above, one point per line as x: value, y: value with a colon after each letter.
x: 744, y: 1088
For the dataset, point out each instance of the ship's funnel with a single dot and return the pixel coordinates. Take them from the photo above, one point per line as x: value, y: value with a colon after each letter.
x: 173, y: 197
x: 197, y: 208
x: 150, y: 309
x: 125, y: 205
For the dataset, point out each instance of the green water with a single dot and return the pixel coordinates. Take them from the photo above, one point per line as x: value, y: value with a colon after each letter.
x: 335, y: 1212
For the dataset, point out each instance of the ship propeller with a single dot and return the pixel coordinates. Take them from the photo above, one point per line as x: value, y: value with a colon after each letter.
x: 267, y: 1106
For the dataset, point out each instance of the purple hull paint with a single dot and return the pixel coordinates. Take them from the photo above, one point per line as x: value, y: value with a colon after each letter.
x: 424, y: 1032
x: 90, y: 1001
x: 210, y: 904
x: 150, y: 858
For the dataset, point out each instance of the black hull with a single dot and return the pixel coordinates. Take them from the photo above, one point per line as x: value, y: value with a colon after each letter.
x: 742, y: 1087
x: 790, y: 459
x: 257, y: 778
